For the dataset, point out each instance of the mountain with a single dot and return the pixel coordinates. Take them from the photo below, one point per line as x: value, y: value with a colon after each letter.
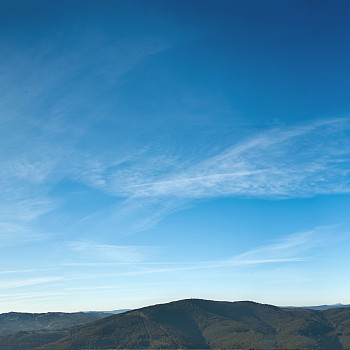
x: 199, y: 324
x: 110, y: 312
x: 19, y: 321
x: 118, y: 311
x: 325, y: 307
x: 28, y: 340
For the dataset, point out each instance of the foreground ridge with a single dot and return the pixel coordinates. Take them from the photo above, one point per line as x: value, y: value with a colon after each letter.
x: 198, y: 324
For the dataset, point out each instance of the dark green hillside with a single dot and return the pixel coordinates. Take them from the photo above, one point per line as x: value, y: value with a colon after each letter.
x: 199, y: 324
x: 340, y: 320
x: 28, y: 340
x: 18, y: 321
x: 208, y: 324
x: 165, y: 326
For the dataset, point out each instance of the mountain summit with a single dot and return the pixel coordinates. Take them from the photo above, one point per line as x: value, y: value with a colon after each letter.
x: 204, y: 324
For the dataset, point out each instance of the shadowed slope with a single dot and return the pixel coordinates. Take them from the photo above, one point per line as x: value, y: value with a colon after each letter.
x: 200, y: 324
x: 19, y: 321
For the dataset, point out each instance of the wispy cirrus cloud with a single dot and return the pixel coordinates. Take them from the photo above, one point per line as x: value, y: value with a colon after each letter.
x: 13, y: 234
x: 288, y: 248
x: 10, y: 272
x: 39, y: 136
x: 148, y: 183
x: 294, y: 248
x: 303, y: 160
x: 83, y: 274
x: 29, y: 282
x: 299, y: 161
x: 108, y: 252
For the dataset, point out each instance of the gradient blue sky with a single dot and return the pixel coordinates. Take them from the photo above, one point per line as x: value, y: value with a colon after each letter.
x: 158, y: 150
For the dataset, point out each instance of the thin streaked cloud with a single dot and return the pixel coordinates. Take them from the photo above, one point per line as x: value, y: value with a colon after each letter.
x: 293, y: 248
x: 17, y: 234
x: 300, y: 161
x: 303, y: 160
x: 4, y: 272
x: 115, y: 253
x: 19, y: 283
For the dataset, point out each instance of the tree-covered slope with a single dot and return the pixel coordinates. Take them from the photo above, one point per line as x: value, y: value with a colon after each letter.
x: 28, y: 340
x: 208, y: 324
x: 200, y: 324
x: 18, y: 321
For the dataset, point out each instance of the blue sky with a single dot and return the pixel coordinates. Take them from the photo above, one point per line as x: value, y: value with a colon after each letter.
x: 159, y: 150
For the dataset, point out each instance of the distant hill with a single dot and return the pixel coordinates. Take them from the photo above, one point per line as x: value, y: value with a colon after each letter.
x: 321, y: 307
x: 111, y: 312
x: 199, y: 324
x: 20, y: 321
x: 118, y: 311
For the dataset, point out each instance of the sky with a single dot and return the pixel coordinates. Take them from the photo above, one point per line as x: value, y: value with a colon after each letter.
x: 158, y: 150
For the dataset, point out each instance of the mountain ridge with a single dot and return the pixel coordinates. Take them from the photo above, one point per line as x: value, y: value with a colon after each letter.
x: 26, y: 321
x: 318, y: 307
x: 198, y: 323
